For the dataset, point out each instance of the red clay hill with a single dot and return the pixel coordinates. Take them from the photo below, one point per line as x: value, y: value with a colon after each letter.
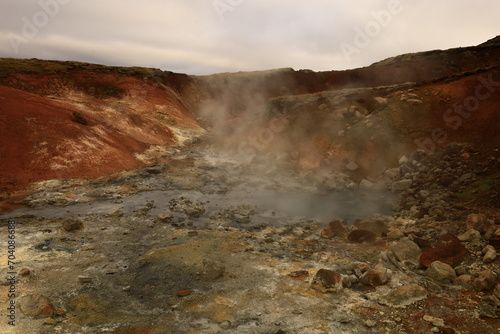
x: 68, y: 119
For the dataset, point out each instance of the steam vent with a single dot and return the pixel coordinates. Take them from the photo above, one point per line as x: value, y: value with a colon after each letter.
x: 140, y: 201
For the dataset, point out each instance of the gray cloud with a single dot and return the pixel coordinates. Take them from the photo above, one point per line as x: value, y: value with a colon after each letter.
x: 196, y: 38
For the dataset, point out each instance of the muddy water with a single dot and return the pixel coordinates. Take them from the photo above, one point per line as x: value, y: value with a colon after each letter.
x: 274, y: 208
x: 218, y: 185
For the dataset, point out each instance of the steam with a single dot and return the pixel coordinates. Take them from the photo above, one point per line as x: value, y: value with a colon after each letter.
x: 326, y: 141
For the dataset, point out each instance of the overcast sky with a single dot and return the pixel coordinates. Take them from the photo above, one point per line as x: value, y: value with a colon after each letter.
x: 210, y: 36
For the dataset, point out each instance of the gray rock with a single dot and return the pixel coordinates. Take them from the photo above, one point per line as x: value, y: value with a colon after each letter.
x: 484, y: 280
x: 381, y: 101
x: 414, y: 101
x: 370, y: 323
x: 441, y: 272
x: 327, y: 281
x: 406, y: 251
x: 490, y: 256
x: 84, y: 279
x: 463, y: 280
x: 490, y: 307
x: 37, y: 305
x: 438, y: 322
x: 470, y: 235
x: 375, y: 225
x: 404, y: 296
x: 400, y: 186
x: 365, y: 184
x: 352, y: 166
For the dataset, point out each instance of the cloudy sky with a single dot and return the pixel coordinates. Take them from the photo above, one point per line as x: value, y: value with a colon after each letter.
x: 210, y: 36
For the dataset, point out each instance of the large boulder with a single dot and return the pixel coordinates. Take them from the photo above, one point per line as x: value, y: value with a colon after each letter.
x: 448, y: 249
x: 479, y: 222
x: 375, y: 225
x: 335, y: 229
x: 406, y: 251
x: 376, y: 276
x: 441, y: 272
x: 403, y: 296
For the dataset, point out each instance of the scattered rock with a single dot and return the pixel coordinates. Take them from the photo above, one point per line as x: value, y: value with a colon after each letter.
x: 381, y: 101
x: 463, y: 280
x: 335, y: 229
x: 377, y: 226
x: 438, y: 322
x: 84, y: 279
x: 79, y: 118
x: 490, y: 307
x: 400, y: 186
x: 226, y: 324
x: 484, y: 280
x: 186, y: 206
x: 50, y: 321
x: 448, y: 249
x: 360, y: 236
x: 71, y: 225
x: 395, y: 234
x: 478, y: 222
x: 164, y: 218
x: 460, y: 270
x: 183, y: 293
x: 38, y: 305
x: 441, y: 272
x: 404, y: 296
x: 299, y: 275
x: 365, y: 184
x: 376, y: 276
x: 25, y: 272
x: 470, y: 235
x: 414, y: 102
x: 327, y: 281
x: 218, y: 225
x: 370, y: 323
x: 490, y: 254
x: 406, y: 251
x: 352, y: 166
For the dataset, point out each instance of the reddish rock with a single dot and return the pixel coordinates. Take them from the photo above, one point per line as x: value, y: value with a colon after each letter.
x: 183, y: 293
x: 335, y: 229
x: 478, y: 222
x: 484, y: 280
x: 376, y: 276
x: 448, y: 249
x: 327, y: 281
x: 38, y: 305
x: 360, y: 236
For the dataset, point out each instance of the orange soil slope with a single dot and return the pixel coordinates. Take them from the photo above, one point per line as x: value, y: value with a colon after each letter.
x: 126, y: 115
x: 39, y: 140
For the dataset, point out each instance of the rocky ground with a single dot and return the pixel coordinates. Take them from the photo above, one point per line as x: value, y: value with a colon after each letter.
x: 144, y: 201
x: 201, y: 245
